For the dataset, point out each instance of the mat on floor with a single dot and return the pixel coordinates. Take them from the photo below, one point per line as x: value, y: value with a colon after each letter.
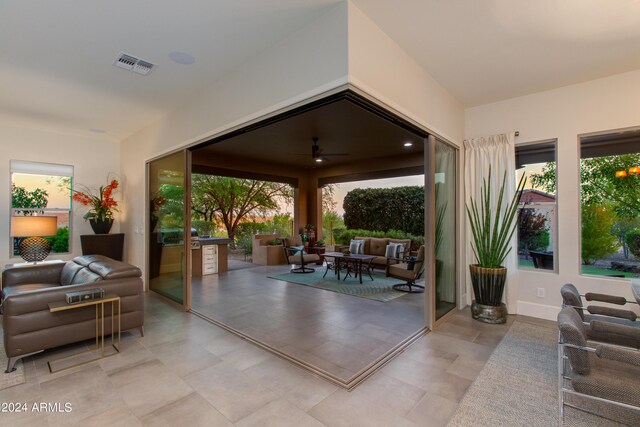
x: 519, y: 385
x: 13, y: 378
x: 378, y: 289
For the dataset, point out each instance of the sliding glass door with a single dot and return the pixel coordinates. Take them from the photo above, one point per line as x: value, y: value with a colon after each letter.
x: 169, y: 240
x: 445, y: 228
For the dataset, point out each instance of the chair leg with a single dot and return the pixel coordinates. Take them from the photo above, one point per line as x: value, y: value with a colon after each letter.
x: 11, y: 364
x: 141, y: 331
x: 408, y: 287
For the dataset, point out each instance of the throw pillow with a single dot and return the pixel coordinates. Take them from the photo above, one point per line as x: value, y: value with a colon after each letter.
x: 361, y: 247
x: 411, y: 263
x: 297, y: 250
x: 399, y: 250
x: 354, y: 246
x: 391, y: 251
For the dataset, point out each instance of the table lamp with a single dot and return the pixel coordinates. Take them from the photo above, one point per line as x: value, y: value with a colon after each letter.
x: 34, y: 248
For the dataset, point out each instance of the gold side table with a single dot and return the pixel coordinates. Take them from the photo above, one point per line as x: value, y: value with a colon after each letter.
x: 99, y: 306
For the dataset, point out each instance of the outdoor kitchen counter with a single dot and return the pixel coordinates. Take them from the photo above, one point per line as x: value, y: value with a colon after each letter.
x: 196, y: 255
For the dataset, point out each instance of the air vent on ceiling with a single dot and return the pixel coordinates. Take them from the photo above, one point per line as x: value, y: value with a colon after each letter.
x: 134, y: 64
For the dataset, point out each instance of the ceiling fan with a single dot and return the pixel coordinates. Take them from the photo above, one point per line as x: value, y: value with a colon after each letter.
x: 318, y: 155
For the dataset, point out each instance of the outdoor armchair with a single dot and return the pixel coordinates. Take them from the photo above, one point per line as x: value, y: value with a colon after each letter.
x: 407, y: 269
x: 297, y: 255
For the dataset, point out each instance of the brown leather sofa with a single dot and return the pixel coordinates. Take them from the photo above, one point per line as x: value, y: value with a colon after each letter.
x: 28, y: 325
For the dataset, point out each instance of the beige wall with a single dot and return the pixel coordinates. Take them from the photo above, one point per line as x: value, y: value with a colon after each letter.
x: 93, y: 160
x: 309, y: 62
x: 378, y: 66
x: 597, y: 105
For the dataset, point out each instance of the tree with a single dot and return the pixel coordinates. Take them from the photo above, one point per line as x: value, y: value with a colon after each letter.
x: 35, y: 199
x: 633, y: 241
x: 597, y: 238
x: 532, y: 231
x: 599, y: 184
x: 232, y: 200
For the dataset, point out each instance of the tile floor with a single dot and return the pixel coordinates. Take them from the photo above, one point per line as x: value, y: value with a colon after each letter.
x: 339, y: 334
x: 186, y: 371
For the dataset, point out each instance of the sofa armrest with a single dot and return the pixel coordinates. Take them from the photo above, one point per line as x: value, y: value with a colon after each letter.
x: 39, y: 273
x: 38, y: 300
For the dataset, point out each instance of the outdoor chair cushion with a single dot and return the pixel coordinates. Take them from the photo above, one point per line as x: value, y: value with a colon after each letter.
x: 401, y: 271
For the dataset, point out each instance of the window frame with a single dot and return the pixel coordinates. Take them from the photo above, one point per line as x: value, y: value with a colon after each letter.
x: 29, y: 167
x: 594, y: 144
x: 554, y: 223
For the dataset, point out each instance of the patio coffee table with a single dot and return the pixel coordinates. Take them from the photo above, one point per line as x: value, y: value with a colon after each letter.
x: 357, y: 260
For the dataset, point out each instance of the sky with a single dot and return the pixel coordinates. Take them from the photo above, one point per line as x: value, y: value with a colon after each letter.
x: 58, y: 197
x: 343, y: 188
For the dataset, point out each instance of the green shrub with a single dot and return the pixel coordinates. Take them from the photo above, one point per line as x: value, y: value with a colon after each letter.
x: 597, y: 238
x: 204, y: 228
x: 60, y: 242
x: 343, y: 237
x: 385, y: 209
x: 632, y: 240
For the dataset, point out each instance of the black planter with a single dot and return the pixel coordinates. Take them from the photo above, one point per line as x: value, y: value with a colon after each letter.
x: 488, y: 287
x: 100, y: 226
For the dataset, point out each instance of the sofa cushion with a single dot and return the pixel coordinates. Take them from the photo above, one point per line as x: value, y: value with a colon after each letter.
x: 377, y: 246
x: 69, y: 271
x: 85, y: 276
x: 26, y: 287
x: 111, y: 269
x: 86, y: 260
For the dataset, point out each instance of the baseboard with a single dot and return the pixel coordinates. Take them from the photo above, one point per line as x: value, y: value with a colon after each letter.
x: 548, y: 312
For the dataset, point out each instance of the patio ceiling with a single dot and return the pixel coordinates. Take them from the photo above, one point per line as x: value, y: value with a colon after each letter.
x: 342, y: 126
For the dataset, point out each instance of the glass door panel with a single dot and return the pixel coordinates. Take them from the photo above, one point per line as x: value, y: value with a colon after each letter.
x: 445, y: 241
x: 167, y: 256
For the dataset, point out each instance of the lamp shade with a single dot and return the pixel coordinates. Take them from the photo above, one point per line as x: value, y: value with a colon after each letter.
x: 29, y: 226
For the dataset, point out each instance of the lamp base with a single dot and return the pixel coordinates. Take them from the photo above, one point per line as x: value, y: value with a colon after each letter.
x: 34, y: 249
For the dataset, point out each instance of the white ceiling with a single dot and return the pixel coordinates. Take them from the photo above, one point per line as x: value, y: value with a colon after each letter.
x: 484, y: 51
x: 56, y: 56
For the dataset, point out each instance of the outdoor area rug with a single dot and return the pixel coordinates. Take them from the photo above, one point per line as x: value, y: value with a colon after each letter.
x: 380, y: 289
x: 518, y: 385
x: 14, y: 378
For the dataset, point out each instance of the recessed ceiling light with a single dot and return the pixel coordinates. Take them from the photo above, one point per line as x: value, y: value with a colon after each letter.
x: 182, y: 58
x: 318, y: 160
x: 96, y: 130
x: 408, y: 144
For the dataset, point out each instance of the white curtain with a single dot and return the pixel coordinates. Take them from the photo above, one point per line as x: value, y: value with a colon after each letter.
x: 498, y: 152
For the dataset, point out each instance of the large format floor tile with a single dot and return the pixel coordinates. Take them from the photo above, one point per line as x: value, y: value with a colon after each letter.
x: 187, y: 371
x: 340, y: 335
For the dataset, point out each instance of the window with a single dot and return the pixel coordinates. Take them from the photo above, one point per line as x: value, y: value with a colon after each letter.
x: 610, y: 204
x: 42, y: 189
x: 537, y: 212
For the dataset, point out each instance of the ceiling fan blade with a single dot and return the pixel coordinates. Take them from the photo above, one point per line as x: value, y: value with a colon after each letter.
x: 334, y: 154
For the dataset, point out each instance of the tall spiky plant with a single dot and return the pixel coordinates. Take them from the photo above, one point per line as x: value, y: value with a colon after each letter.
x: 492, y: 231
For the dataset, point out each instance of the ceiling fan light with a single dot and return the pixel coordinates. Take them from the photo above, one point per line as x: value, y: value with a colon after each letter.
x: 408, y: 144
x: 318, y: 160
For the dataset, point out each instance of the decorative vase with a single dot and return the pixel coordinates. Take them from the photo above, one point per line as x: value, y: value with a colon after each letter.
x: 101, y: 226
x: 488, y: 287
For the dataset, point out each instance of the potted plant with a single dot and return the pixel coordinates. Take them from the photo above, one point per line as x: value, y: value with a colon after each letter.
x: 492, y: 232
x: 101, y: 206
